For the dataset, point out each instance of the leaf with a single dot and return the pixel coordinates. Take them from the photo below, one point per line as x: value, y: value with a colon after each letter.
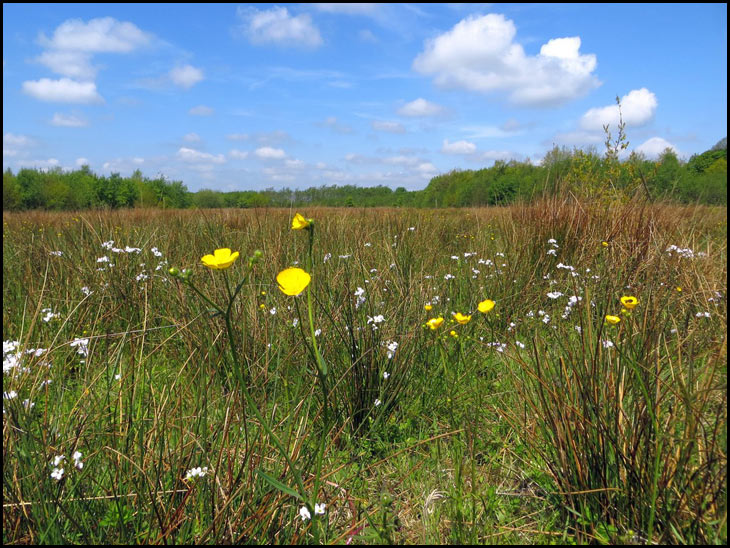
x: 280, y: 486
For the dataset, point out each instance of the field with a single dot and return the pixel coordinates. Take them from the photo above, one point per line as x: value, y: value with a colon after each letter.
x: 576, y: 390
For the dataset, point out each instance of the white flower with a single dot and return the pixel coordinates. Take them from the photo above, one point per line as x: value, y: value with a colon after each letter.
x: 555, y: 295
x: 319, y: 508
x: 77, y: 459
x: 552, y: 252
x: 56, y: 253
x: 196, y: 472
x: 386, y: 375
x: 327, y: 257
x: 156, y: 252
x: 702, y: 315
x: 305, y: 514
x: 377, y: 402
x: 57, y: 474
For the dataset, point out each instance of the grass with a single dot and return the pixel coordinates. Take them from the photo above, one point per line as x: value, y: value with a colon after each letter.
x: 537, y: 422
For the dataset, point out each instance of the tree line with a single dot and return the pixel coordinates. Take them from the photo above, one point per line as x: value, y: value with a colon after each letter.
x: 586, y: 174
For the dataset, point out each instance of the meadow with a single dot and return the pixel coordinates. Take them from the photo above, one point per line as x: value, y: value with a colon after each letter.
x: 545, y: 373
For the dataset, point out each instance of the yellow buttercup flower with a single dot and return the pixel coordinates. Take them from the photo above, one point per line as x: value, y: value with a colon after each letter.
x: 629, y: 302
x: 613, y: 320
x: 435, y: 323
x: 428, y: 307
x: 299, y: 222
x: 293, y: 281
x: 485, y: 306
x: 604, y: 244
x: 221, y: 259
x: 461, y: 318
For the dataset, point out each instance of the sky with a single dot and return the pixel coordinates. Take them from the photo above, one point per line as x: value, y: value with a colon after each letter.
x: 253, y: 96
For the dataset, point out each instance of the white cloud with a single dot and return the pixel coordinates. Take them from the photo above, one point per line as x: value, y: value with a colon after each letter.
x: 277, y: 26
x: 196, y: 156
x: 238, y: 154
x: 68, y: 120
x: 64, y: 90
x: 103, y: 35
x: 479, y: 54
x: 201, y: 110
x: 654, y: 147
x: 74, y: 64
x: 186, y: 76
x: 269, y: 153
x: 458, y: 147
x: 82, y: 162
x: 192, y: 138
x: 388, y: 127
x: 348, y: 9
x: 420, y: 108
x: 637, y: 109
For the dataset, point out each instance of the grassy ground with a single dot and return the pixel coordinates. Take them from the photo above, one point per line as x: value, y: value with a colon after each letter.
x: 535, y: 422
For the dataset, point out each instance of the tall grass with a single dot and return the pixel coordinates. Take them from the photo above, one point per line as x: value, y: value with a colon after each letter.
x: 513, y: 429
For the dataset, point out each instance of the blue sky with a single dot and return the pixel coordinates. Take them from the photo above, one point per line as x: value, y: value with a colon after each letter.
x: 235, y: 97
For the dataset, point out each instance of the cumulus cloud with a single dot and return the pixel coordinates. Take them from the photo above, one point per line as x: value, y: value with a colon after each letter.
x: 637, y: 109
x: 64, y: 90
x: 420, y: 108
x: 277, y: 26
x: 654, y: 147
x: 348, y: 9
x: 458, y: 147
x: 269, y: 153
x: 196, y: 156
x: 103, y: 35
x: 186, y: 76
x: 69, y: 52
x: 480, y: 54
x: 74, y: 64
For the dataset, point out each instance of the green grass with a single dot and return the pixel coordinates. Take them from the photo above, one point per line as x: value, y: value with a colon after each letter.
x: 522, y: 428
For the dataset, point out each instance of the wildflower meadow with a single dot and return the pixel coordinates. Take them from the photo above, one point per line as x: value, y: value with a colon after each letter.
x: 545, y: 373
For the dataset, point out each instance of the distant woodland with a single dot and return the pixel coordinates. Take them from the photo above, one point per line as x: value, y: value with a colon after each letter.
x: 585, y: 174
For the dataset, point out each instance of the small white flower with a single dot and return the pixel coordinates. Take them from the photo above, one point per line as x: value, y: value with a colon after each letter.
x: 56, y: 253
x: 57, y: 474
x: 196, y: 472
x: 319, y: 508
x: 77, y: 459
x: 386, y: 375
x: 377, y: 402
x: 304, y: 513
x: 552, y: 252
x: 555, y: 295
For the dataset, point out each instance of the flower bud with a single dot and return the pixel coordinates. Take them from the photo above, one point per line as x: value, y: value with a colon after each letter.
x: 174, y: 271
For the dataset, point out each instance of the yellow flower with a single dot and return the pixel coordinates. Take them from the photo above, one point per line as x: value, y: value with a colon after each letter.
x: 679, y: 289
x: 613, y: 320
x: 428, y: 307
x: 435, y: 323
x: 293, y: 281
x: 299, y: 222
x: 604, y: 244
x: 453, y: 334
x: 461, y: 318
x: 485, y: 306
x: 629, y: 302
x: 221, y: 259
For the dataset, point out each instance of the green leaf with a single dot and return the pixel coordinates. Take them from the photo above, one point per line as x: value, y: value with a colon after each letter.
x: 280, y: 486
